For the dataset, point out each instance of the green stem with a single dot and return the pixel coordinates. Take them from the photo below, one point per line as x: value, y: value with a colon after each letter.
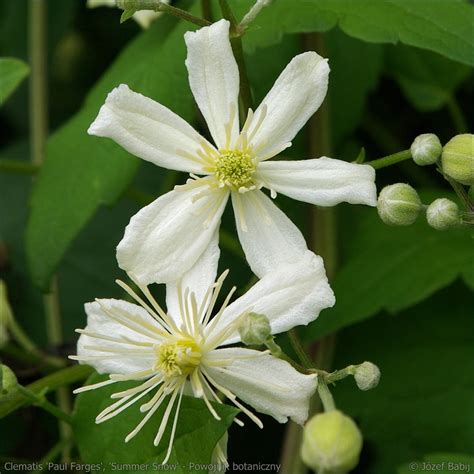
x: 390, y: 159
x: 460, y: 191
x: 158, y: 6
x: 457, y: 115
x: 60, y: 378
x: 20, y: 167
x: 299, y: 349
x: 250, y: 16
x: 42, y: 402
x: 206, y: 10
x: 236, y: 43
x: 325, y: 395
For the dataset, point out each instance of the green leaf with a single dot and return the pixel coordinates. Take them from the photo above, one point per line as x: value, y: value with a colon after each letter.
x: 443, y: 26
x: 196, y: 435
x: 127, y: 14
x: 82, y: 172
x: 392, y: 268
x: 444, y: 463
x: 428, y: 80
x: 362, y: 63
x: 12, y: 72
x: 423, y: 402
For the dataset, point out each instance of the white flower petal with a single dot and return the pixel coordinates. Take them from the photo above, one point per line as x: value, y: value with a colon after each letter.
x: 294, y: 98
x: 166, y: 238
x: 100, y: 323
x: 267, y: 235
x: 270, y: 385
x: 214, y: 79
x: 149, y: 130
x: 198, y: 279
x: 322, y: 181
x: 291, y: 295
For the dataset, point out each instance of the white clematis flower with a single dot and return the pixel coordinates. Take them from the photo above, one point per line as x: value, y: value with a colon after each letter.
x: 182, y: 349
x: 143, y: 17
x: 164, y: 239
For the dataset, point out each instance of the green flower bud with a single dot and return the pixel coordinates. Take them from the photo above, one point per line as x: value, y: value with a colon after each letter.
x: 331, y: 443
x: 457, y: 159
x: 426, y: 149
x: 8, y: 383
x: 367, y: 375
x: 255, y: 329
x: 442, y: 214
x: 398, y: 204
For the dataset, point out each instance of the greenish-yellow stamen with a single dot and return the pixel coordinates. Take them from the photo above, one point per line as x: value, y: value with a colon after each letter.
x: 235, y: 168
x: 178, y: 357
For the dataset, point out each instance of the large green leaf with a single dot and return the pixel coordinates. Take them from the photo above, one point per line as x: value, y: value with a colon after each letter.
x: 392, y: 268
x: 83, y: 172
x: 443, y: 26
x: 196, y: 435
x: 427, y: 79
x: 423, y: 403
x: 12, y: 72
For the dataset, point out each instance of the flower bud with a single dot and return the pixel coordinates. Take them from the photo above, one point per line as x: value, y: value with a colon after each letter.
x: 457, y: 159
x: 398, y: 204
x: 255, y: 329
x: 367, y: 375
x: 331, y: 443
x: 442, y: 214
x: 426, y: 149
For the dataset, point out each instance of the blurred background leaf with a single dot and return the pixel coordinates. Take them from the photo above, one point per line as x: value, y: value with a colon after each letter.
x: 12, y: 72
x: 423, y: 403
x: 419, y: 24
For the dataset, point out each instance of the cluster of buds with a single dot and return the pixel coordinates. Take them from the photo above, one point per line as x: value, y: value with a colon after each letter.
x: 399, y: 204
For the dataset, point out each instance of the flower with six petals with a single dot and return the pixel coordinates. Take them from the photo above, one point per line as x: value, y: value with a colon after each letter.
x: 183, y: 349
x: 166, y: 238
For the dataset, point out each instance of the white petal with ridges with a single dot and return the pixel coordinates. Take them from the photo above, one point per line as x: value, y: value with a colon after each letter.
x: 267, y: 235
x: 214, y: 79
x: 100, y: 323
x: 270, y: 385
x: 149, y: 130
x: 198, y: 279
x: 166, y: 238
x: 294, y: 98
x: 322, y: 181
x: 289, y: 296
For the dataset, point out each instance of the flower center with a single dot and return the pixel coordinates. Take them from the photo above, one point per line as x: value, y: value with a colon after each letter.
x: 177, y: 357
x: 234, y: 168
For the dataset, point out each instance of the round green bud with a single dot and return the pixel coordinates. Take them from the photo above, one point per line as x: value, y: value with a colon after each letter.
x: 367, y: 375
x: 255, y: 329
x: 398, y: 204
x: 331, y: 443
x: 457, y: 159
x: 442, y: 214
x: 426, y: 149
x: 8, y: 382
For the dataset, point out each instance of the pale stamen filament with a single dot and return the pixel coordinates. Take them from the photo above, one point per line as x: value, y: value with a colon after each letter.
x: 173, y: 429
x: 141, y: 374
x: 166, y: 416
x: 240, y: 212
x: 93, y: 386
x: 262, y: 114
x: 142, y: 303
x: 215, y: 295
x: 134, y: 323
x: 121, y: 340
x: 139, y: 388
x: 234, y: 400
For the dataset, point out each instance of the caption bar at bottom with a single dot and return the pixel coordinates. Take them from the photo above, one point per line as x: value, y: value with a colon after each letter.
x: 117, y: 467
